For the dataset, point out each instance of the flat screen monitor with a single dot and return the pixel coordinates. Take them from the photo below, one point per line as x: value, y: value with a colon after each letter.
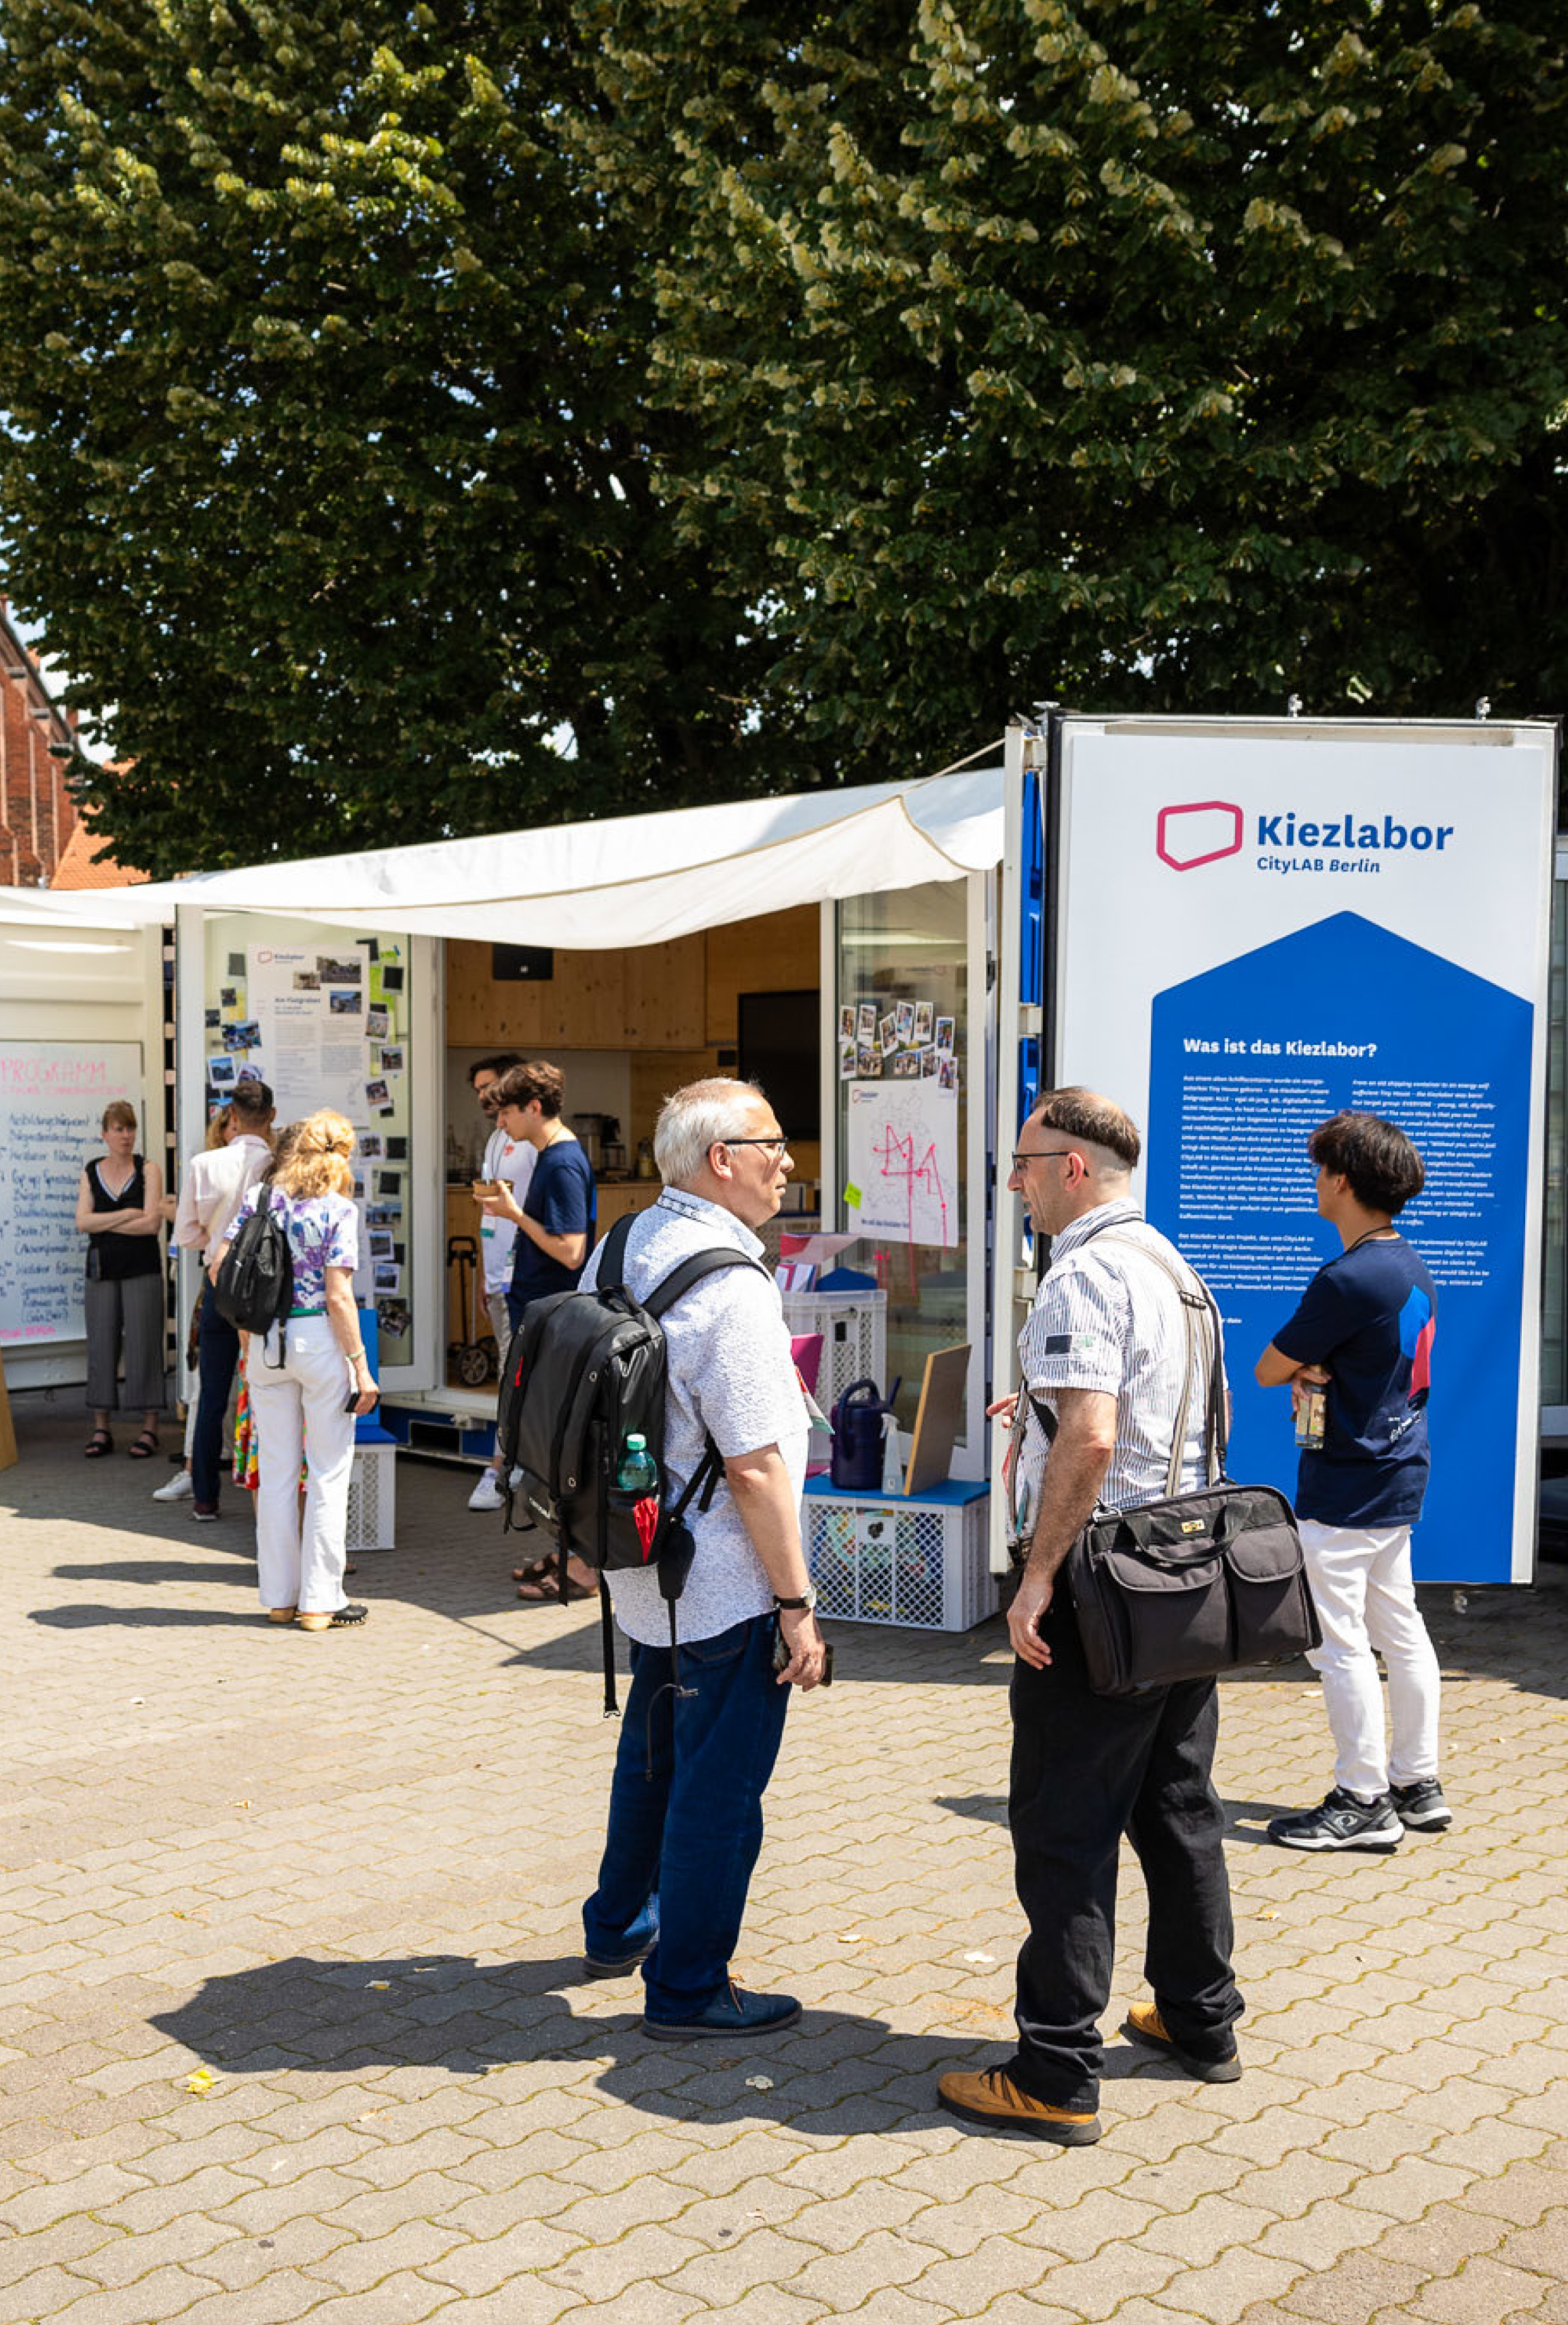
x: 779, y: 1049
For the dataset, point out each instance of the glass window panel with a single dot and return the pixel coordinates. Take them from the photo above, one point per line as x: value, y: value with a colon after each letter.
x: 904, y: 957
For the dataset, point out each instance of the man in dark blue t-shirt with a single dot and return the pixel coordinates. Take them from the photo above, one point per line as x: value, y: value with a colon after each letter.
x: 554, y: 1223
x: 1363, y: 1335
x: 555, y: 1219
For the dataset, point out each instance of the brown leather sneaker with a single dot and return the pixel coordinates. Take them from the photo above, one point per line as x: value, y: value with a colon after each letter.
x: 1144, y: 2024
x: 995, y: 2100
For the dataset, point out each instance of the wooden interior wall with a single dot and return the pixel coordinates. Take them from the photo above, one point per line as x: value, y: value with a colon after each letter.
x: 672, y: 1006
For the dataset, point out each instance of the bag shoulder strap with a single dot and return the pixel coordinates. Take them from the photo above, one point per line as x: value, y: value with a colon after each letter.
x: 1197, y: 1301
x: 688, y: 1272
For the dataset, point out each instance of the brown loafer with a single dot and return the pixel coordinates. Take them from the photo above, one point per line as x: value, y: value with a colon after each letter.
x: 1144, y: 2024
x: 280, y: 1614
x: 994, y: 2100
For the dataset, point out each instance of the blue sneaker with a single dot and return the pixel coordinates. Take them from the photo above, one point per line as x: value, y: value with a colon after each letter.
x: 731, y: 2012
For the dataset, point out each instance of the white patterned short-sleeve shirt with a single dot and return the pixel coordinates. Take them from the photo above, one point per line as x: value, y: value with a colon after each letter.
x: 731, y: 1376
x: 1104, y: 1319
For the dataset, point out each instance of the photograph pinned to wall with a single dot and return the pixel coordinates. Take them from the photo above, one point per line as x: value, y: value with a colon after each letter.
x: 358, y: 1189
x: 229, y: 998
x: 869, y: 1061
x: 929, y: 1062
x: 385, y: 1213
x: 307, y: 980
x: 370, y: 1144
x: 944, y: 1033
x: 377, y: 1096
x: 211, y: 1019
x: 386, y: 1275
x: 396, y: 1149
x: 217, y: 1099
x: 388, y: 1182
x: 904, y: 1016
x: 846, y: 1061
x: 378, y: 1025
x: 923, y: 1013
x: 350, y: 970
x: 887, y: 1034
x: 392, y: 1315
x: 391, y: 976
x: 236, y: 964
x: 245, y: 1033
x: 400, y: 1253
x: 347, y: 1002
x: 866, y: 1022
x: 249, y: 1074
x: 846, y: 1021
x: 221, y: 1070
x: 391, y: 1059
x: 381, y: 1243
x: 947, y: 1073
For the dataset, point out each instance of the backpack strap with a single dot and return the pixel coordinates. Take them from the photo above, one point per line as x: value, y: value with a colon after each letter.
x: 612, y: 1265
x: 680, y: 1278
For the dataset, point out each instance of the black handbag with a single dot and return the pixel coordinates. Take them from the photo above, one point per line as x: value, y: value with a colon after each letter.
x: 1195, y: 1583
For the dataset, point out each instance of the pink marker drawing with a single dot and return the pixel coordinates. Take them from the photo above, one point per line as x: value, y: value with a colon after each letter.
x: 896, y: 1155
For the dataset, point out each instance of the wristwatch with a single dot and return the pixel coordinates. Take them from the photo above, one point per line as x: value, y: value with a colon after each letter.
x: 797, y: 1606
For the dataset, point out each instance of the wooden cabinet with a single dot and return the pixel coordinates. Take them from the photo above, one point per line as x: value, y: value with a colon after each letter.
x: 627, y: 1195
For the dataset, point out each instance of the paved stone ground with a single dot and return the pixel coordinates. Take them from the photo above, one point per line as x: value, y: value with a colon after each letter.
x: 340, y: 1875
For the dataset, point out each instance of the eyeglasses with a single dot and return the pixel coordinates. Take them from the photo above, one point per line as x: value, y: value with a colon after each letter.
x: 1046, y: 1155
x: 777, y: 1147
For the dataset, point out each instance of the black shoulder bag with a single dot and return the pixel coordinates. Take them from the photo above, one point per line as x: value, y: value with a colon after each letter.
x: 1195, y: 1583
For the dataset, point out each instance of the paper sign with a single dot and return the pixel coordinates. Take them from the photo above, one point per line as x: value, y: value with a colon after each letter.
x: 904, y: 1149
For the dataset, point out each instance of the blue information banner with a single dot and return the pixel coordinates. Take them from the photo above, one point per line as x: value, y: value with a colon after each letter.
x: 1245, y: 1060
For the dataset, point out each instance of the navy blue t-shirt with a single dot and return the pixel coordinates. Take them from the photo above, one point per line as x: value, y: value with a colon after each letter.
x: 562, y: 1196
x: 1368, y: 1318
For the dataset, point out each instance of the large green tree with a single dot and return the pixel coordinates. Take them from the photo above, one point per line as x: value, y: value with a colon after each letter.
x: 1178, y: 354
x: 325, y: 459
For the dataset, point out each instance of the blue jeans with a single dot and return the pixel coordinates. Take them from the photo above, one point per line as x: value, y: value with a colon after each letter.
x: 682, y: 1842
x: 217, y: 1355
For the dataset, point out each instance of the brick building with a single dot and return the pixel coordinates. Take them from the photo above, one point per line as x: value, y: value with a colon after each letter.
x: 37, y: 812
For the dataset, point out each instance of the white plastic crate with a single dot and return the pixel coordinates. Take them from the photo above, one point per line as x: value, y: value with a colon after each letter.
x: 373, y: 1498
x: 919, y: 1566
x: 853, y: 1329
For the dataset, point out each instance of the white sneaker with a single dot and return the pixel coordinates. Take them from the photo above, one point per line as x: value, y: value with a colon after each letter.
x: 487, y: 1495
x: 179, y: 1489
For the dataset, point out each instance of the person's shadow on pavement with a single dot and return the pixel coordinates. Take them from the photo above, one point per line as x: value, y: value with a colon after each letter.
x: 833, y: 2073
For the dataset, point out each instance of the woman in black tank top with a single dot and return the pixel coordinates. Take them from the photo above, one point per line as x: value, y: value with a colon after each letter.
x: 119, y: 1209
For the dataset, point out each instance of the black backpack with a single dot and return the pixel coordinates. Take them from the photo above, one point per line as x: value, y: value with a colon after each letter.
x: 255, y: 1285
x: 585, y: 1371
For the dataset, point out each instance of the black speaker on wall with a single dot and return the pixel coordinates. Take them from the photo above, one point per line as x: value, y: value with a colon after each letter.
x: 522, y: 964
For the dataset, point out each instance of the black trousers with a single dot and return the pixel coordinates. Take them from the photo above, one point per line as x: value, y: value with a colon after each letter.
x: 1086, y: 1769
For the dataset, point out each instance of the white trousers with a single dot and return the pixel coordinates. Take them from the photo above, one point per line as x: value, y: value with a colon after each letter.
x: 1365, y: 1599
x: 300, y: 1408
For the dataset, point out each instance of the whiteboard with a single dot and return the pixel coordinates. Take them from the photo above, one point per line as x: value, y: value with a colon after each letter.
x: 52, y: 1096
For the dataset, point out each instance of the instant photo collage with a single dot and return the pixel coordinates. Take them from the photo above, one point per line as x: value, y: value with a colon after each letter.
x: 905, y: 1040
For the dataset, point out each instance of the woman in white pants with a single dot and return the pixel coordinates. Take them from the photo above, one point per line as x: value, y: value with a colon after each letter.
x: 308, y: 1379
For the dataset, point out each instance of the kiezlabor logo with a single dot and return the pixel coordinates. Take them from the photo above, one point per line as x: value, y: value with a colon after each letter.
x: 1200, y: 831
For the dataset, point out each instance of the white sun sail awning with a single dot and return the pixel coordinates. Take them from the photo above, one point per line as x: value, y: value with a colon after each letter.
x: 630, y: 880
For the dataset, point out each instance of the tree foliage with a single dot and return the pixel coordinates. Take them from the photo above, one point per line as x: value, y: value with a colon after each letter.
x: 762, y: 395
x: 1179, y: 354
x: 328, y: 462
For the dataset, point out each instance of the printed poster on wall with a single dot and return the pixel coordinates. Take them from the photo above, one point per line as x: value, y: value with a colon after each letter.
x: 308, y: 1012
x: 1305, y: 923
x: 901, y: 1169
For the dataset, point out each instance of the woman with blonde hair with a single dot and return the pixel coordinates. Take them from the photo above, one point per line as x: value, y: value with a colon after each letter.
x: 309, y: 1378
x: 119, y: 1207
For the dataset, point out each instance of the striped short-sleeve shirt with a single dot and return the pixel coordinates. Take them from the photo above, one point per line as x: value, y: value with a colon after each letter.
x: 1105, y: 1318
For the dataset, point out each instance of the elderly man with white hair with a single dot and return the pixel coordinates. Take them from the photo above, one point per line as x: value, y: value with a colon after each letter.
x: 685, y: 1815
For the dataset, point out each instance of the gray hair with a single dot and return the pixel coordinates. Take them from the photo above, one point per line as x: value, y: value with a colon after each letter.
x: 691, y: 1119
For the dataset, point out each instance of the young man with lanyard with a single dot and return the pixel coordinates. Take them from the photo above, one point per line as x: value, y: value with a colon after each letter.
x: 554, y: 1224
x: 508, y: 1162
x: 217, y: 1181
x: 1363, y: 1333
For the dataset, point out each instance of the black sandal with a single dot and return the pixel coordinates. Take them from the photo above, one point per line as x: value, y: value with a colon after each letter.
x: 143, y: 1447
x: 99, y: 1443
